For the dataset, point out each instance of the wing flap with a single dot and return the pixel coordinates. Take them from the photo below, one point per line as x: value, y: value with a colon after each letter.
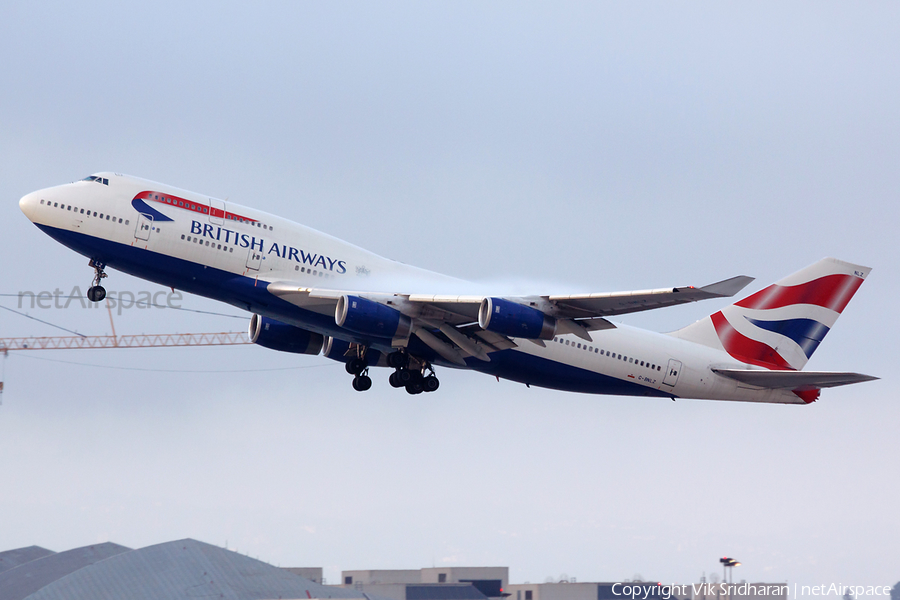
x: 499, y: 342
x: 465, y: 307
x: 318, y: 301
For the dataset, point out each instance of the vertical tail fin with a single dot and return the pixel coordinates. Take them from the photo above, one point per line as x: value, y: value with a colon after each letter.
x: 781, y: 326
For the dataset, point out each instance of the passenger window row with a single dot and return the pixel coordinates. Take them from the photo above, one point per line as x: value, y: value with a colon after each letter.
x: 203, y: 242
x: 250, y: 222
x: 86, y: 213
x: 182, y: 203
x: 613, y: 355
x: 314, y: 272
x: 201, y: 208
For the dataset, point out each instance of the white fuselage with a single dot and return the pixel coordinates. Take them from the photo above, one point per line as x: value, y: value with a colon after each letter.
x: 231, y: 253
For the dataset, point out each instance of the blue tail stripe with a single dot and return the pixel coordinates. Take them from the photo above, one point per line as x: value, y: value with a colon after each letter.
x: 806, y: 332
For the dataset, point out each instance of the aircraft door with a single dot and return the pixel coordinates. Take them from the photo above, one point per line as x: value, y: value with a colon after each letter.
x: 254, y: 259
x: 143, y: 227
x: 216, y: 212
x: 672, y: 371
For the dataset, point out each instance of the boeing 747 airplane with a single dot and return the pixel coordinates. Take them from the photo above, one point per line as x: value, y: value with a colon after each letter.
x: 310, y: 293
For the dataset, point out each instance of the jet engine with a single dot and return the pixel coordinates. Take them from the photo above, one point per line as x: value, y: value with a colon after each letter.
x: 515, y: 320
x: 276, y: 335
x: 371, y: 318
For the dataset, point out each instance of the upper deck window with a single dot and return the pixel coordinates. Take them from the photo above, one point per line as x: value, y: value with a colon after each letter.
x: 97, y: 179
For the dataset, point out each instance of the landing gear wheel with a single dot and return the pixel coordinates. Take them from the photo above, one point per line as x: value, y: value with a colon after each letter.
x: 361, y: 383
x: 394, y: 380
x: 430, y: 383
x: 398, y: 359
x: 415, y: 384
x: 96, y: 293
x: 415, y: 374
x: 404, y: 376
x: 355, y: 366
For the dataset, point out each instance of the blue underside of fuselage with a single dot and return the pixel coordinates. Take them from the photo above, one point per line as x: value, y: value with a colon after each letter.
x: 245, y: 293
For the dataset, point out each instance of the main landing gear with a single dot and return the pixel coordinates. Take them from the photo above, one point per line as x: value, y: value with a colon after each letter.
x: 410, y: 373
x: 414, y: 374
x: 96, y: 293
x: 358, y: 367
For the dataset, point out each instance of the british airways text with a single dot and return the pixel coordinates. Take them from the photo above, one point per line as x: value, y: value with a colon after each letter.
x: 242, y: 240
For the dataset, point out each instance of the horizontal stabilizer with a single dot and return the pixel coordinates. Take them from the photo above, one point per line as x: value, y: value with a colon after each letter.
x: 793, y: 380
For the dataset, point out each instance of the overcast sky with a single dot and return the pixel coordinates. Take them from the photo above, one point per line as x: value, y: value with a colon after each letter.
x: 594, y: 147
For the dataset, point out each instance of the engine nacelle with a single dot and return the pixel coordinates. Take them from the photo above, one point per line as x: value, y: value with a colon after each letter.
x: 515, y: 320
x: 340, y: 351
x: 276, y: 335
x: 371, y: 318
x: 336, y: 349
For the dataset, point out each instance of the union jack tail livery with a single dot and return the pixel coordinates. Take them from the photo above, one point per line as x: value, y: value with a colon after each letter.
x: 780, y: 327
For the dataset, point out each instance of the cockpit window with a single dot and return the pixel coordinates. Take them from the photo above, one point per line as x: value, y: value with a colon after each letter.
x: 97, y: 179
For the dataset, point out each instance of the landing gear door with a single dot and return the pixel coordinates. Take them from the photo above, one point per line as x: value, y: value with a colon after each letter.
x: 254, y: 259
x: 216, y: 212
x: 672, y: 371
x: 144, y: 227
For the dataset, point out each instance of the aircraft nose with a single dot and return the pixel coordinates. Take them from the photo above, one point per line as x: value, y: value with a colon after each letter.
x: 28, y: 204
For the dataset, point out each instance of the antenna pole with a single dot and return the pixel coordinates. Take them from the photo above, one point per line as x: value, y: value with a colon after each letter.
x: 111, y: 325
x: 5, y: 353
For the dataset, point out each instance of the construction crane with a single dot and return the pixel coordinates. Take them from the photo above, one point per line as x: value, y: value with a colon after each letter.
x: 81, y: 342
x: 160, y: 340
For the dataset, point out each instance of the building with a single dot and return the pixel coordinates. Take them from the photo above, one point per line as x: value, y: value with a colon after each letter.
x: 188, y: 569
x: 179, y: 570
x: 314, y: 574
x: 13, y: 558
x: 435, y: 583
x: 31, y: 576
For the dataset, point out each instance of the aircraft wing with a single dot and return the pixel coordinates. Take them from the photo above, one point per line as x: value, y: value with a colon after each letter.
x: 458, y: 310
x: 457, y: 327
x: 793, y: 380
x: 587, y: 312
x: 618, y: 303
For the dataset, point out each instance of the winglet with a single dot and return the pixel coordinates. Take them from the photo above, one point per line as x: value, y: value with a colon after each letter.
x: 727, y: 287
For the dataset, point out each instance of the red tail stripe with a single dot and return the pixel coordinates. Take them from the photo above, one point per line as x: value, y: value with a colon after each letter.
x: 746, y: 350
x: 831, y: 291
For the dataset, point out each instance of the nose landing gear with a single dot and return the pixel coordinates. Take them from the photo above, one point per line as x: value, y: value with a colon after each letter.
x: 96, y: 293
